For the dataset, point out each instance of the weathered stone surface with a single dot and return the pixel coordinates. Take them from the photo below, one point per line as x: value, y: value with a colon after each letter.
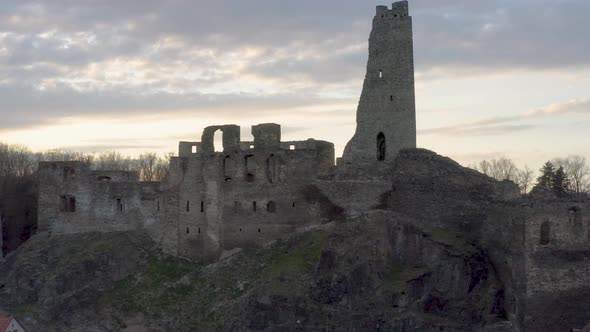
x: 53, y: 283
x: 386, y: 114
x: 376, y: 272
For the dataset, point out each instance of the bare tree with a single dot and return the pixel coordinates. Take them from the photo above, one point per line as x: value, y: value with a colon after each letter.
x: 525, y: 179
x: 148, y: 163
x: 16, y: 160
x: 499, y: 169
x: 153, y: 167
x: 113, y: 161
x: 504, y: 169
x: 65, y: 155
x: 577, y: 172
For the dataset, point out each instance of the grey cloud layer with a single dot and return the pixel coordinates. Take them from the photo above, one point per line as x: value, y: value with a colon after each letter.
x: 65, y: 57
x: 503, y: 125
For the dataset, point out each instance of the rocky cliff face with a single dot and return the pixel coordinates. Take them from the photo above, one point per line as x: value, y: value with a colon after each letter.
x: 378, y: 272
x: 54, y: 283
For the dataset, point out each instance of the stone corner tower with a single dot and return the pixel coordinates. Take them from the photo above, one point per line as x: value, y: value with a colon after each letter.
x: 386, y: 114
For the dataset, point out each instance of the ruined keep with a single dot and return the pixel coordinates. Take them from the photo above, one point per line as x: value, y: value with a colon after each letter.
x: 253, y: 193
x: 386, y: 114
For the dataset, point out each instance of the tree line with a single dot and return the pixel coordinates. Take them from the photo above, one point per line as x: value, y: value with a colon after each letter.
x: 561, y: 176
x: 20, y: 161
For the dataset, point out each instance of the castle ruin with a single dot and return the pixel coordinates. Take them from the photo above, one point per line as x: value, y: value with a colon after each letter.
x: 253, y: 193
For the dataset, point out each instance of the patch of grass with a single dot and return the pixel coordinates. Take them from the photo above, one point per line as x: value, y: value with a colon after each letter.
x: 290, y: 266
x: 158, y: 286
x: 25, y: 309
x: 435, y: 319
x: 397, y: 277
x: 453, y: 240
x: 300, y: 259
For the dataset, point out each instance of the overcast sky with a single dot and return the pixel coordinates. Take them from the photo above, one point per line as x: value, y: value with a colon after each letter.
x: 493, y: 78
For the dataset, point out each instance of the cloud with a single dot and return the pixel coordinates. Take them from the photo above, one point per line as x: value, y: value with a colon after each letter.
x: 573, y: 106
x: 469, y: 130
x: 64, y: 58
x: 494, y: 126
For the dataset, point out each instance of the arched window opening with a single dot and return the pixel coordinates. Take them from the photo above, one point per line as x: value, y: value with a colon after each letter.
x: 250, y: 167
x: 68, y: 172
x: 218, y: 141
x: 545, y: 233
x: 381, y: 147
x: 229, y: 168
x: 271, y: 207
x: 575, y: 216
x: 272, y: 169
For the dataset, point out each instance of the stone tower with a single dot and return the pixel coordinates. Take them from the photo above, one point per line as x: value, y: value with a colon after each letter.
x: 386, y: 114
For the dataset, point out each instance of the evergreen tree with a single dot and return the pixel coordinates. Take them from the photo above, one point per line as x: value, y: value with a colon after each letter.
x: 560, y: 183
x: 545, y: 180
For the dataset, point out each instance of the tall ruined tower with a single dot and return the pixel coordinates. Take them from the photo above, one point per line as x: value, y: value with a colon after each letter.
x: 386, y: 114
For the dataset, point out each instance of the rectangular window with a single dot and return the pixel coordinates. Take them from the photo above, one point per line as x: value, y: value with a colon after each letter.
x: 119, y: 204
x: 67, y: 203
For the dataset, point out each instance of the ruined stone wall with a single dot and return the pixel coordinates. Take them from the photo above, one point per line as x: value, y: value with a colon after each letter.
x: 74, y: 199
x: 386, y: 115
x: 557, y: 268
x: 249, y: 194
x: 355, y: 196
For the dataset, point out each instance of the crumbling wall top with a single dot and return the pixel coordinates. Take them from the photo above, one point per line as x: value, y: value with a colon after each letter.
x: 267, y: 136
x: 231, y: 138
x: 398, y: 9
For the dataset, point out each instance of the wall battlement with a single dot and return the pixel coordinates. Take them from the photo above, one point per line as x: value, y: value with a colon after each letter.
x: 398, y: 9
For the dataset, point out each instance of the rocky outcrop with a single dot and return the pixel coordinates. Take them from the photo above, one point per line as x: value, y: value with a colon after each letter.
x: 54, y: 283
x: 437, y: 189
x: 377, y: 272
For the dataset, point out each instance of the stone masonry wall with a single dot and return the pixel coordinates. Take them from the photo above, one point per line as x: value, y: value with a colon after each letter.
x: 74, y: 199
x: 387, y: 103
